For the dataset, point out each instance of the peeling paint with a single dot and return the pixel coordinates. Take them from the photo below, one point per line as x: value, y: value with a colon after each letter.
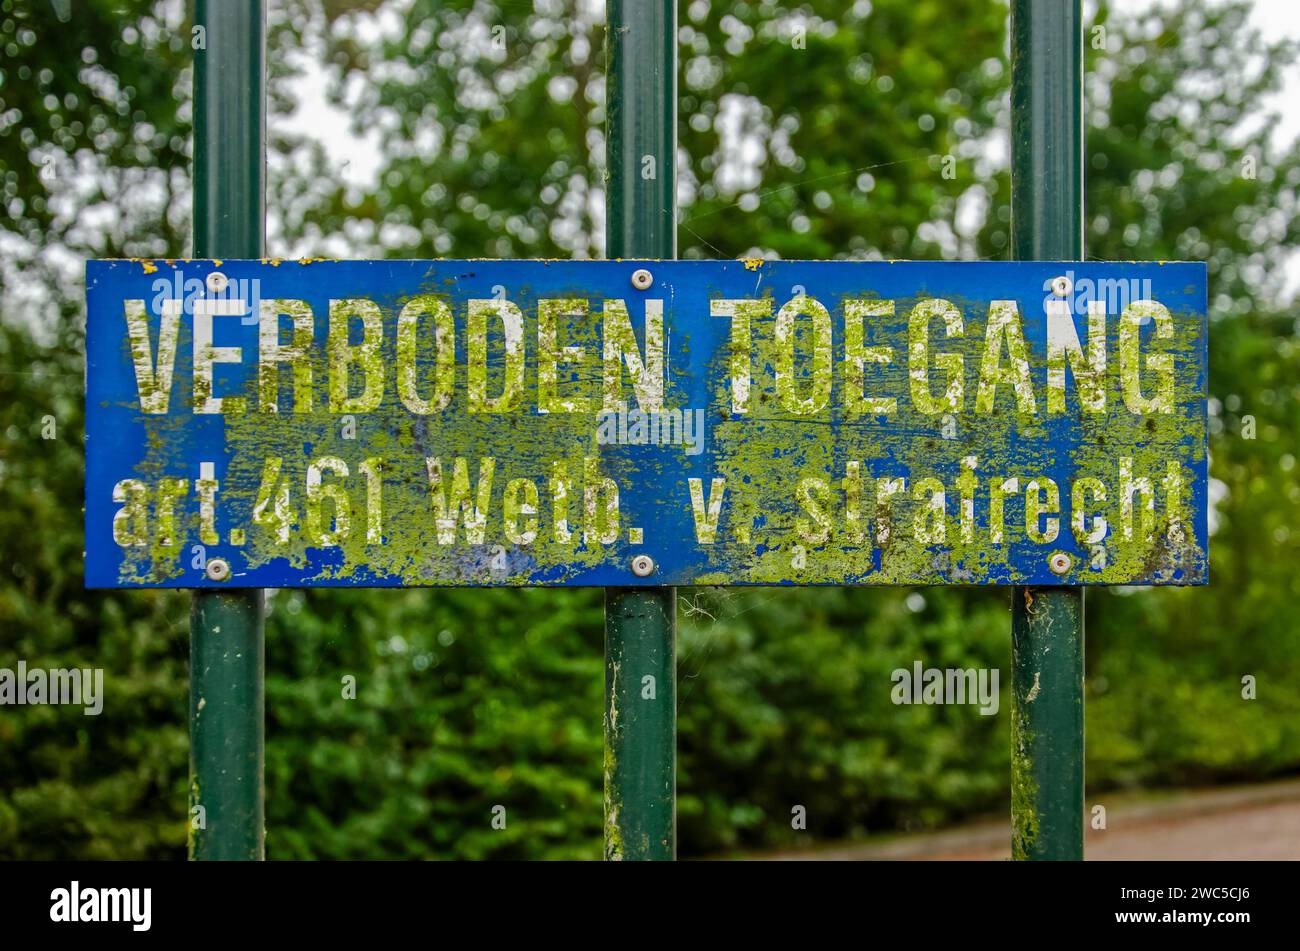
x: 1033, y: 691
x: 1024, y: 792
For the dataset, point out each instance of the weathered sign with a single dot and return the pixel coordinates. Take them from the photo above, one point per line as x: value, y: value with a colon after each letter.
x: 291, y: 423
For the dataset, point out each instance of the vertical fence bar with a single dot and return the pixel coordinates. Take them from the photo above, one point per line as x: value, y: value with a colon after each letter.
x: 1047, y: 623
x: 227, y: 659
x: 641, y: 623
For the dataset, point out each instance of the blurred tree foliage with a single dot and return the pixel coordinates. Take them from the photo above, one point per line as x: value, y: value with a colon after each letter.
x: 815, y: 129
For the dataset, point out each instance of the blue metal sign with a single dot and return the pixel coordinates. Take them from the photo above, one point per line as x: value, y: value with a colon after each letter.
x: 392, y: 423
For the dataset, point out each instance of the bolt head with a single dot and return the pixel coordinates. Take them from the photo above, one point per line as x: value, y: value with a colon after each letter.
x: 1060, y: 562
x: 217, y: 282
x: 643, y: 566
x: 642, y: 279
x: 218, y: 569
x: 1061, y: 286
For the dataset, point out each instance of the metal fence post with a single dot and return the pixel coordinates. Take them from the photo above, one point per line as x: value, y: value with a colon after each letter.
x: 227, y: 662
x: 641, y: 623
x: 1047, y: 623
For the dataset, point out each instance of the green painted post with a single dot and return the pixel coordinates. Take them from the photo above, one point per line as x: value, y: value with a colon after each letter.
x: 641, y: 623
x: 227, y: 660
x: 1047, y: 623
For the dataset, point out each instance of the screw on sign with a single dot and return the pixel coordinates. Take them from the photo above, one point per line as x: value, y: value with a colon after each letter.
x: 643, y: 566
x: 218, y: 569
x: 1060, y: 563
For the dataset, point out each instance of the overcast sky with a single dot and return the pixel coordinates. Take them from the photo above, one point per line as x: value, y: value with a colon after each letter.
x: 1281, y: 17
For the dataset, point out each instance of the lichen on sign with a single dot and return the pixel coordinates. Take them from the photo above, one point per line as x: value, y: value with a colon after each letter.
x: 398, y: 423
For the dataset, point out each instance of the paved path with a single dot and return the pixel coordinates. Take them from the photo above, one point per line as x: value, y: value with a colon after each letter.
x: 1251, y: 822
